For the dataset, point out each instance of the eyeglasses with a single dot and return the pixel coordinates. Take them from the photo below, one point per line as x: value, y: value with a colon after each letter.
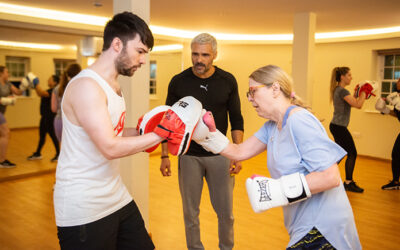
x: 253, y: 89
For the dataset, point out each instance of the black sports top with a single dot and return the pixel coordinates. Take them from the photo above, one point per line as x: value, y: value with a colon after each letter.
x: 218, y: 94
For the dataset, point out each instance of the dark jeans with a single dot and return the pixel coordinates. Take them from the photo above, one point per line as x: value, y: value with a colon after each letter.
x: 123, y: 229
x: 343, y: 137
x: 313, y: 240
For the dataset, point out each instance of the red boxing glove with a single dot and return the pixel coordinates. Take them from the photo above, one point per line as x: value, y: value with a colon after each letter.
x: 178, y: 123
x: 149, y: 121
x: 367, y: 87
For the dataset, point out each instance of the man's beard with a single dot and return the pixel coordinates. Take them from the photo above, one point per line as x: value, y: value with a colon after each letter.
x: 204, y: 70
x: 121, y: 65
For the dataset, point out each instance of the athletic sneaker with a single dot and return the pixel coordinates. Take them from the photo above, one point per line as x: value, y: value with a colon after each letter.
x: 7, y: 164
x: 34, y: 156
x: 352, y: 187
x: 391, y: 186
x: 54, y: 159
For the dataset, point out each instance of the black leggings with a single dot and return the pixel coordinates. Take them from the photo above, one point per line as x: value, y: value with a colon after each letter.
x: 345, y: 140
x: 396, y: 159
x: 47, y: 127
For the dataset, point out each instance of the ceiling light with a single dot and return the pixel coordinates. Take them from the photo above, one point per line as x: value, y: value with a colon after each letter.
x: 160, y: 48
x: 170, y: 47
x: 355, y: 33
x: 35, y: 45
x: 220, y: 36
x: 52, y: 14
x: 176, y: 33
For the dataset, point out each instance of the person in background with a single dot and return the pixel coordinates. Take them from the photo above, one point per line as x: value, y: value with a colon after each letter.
x: 58, y: 92
x: 46, y: 120
x: 7, y: 90
x: 394, y: 100
x: 343, y: 101
x: 217, y: 90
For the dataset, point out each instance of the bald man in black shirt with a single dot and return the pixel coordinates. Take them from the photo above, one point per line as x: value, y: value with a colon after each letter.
x: 217, y: 90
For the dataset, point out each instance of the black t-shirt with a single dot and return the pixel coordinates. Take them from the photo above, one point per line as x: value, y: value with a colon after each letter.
x: 218, y: 94
x: 45, y: 106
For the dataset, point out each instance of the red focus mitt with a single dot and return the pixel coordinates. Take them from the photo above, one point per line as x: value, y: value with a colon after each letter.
x: 178, y: 124
x: 149, y: 121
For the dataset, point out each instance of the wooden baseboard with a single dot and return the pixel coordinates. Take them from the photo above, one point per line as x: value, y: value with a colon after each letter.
x: 24, y: 128
x: 375, y: 158
x: 26, y: 175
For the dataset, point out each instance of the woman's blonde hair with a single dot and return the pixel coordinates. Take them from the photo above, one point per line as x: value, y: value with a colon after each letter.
x: 270, y: 74
x: 337, y: 73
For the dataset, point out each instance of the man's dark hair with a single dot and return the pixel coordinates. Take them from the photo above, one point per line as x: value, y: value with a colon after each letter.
x: 126, y: 26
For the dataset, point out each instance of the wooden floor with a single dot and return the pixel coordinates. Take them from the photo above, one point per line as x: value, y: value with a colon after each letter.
x: 27, y: 217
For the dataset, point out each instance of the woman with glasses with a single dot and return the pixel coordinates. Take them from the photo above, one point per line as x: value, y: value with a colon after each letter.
x: 302, y: 161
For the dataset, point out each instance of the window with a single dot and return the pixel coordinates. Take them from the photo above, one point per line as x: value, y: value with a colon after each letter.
x: 390, y: 71
x: 18, y: 67
x: 153, y: 81
x: 60, y: 65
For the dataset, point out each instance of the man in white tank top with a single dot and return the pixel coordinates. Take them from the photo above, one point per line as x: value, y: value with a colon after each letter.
x: 92, y: 205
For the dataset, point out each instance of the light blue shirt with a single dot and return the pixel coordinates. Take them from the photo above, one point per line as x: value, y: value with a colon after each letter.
x: 304, y: 146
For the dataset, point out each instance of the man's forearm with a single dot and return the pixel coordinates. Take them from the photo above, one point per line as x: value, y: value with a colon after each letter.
x: 130, y: 132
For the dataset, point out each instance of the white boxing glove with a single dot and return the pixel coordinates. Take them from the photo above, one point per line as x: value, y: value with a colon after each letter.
x: 380, y: 105
x: 148, y: 122
x: 208, y: 136
x: 8, y: 100
x: 29, y: 81
x: 394, y: 100
x: 265, y: 193
x: 24, y: 84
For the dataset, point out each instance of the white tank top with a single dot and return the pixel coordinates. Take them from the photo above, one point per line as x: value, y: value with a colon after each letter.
x: 88, y: 186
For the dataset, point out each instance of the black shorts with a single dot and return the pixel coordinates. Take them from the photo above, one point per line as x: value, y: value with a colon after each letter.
x: 123, y: 229
x: 314, y: 240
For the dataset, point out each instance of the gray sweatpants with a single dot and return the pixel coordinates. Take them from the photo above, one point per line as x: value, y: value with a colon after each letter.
x: 215, y: 169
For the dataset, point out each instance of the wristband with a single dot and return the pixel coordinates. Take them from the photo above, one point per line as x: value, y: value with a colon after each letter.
x: 164, y: 156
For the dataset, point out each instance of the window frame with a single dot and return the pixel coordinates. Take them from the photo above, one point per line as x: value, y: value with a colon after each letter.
x: 382, y: 55
x: 153, y: 80
x: 64, y: 64
x: 18, y: 60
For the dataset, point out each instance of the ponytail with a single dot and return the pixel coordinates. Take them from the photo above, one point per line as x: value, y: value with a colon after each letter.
x: 336, y: 76
x: 71, y: 71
